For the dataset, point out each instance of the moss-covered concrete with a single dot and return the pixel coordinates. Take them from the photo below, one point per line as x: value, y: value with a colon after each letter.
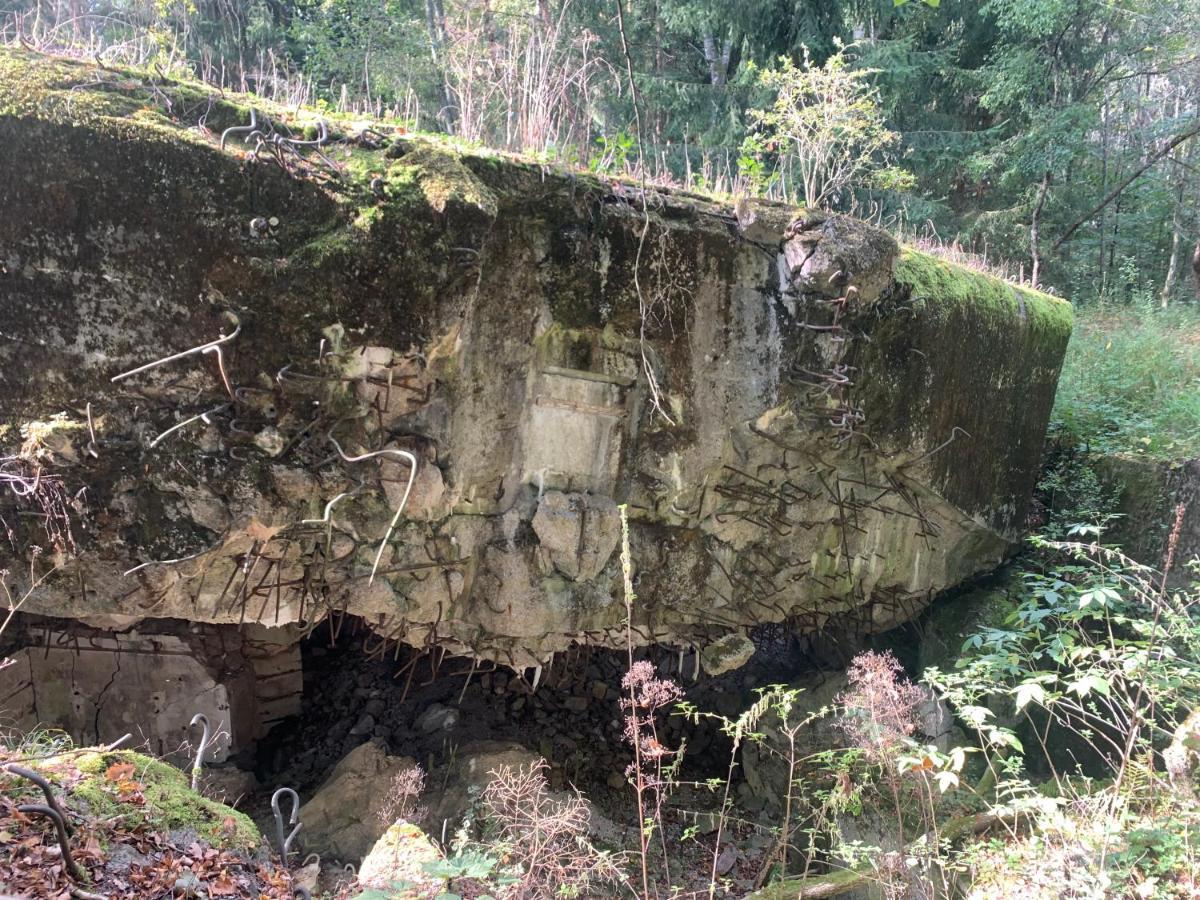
x: 938, y: 337
x: 1153, y: 498
x: 159, y: 798
x: 129, y: 791
x: 804, y: 422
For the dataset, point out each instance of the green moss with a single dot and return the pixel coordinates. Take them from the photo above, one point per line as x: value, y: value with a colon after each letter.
x: 935, y: 282
x: 442, y: 179
x: 169, y: 803
x: 123, y: 101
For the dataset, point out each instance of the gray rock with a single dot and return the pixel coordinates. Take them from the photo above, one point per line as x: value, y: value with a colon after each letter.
x: 471, y: 771
x: 121, y: 857
x: 227, y: 784
x: 730, y: 652
x: 437, y: 718
x: 348, y: 812
x: 399, y: 857
x: 726, y: 859
x: 187, y: 885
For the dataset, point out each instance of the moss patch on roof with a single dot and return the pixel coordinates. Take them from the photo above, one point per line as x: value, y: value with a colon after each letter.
x: 930, y: 280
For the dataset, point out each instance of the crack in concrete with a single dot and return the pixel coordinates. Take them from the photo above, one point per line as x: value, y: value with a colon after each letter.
x: 104, y: 690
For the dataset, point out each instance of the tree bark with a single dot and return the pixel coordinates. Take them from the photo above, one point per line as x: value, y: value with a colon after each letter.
x: 1104, y: 118
x: 1173, y: 265
x: 718, y: 60
x: 435, y: 21
x: 1035, y: 228
x: 1196, y: 268
x: 1176, y: 243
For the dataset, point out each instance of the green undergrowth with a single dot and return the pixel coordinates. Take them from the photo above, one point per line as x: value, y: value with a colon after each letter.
x: 1131, y: 382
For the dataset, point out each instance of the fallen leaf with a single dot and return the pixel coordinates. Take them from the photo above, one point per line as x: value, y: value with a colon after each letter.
x: 119, y: 771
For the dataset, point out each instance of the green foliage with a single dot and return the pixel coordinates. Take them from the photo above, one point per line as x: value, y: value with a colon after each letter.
x: 1073, y: 492
x: 1131, y: 382
x: 617, y: 153
x: 467, y: 863
x: 827, y: 125
x: 159, y: 797
x: 1090, y: 645
x: 1094, y: 668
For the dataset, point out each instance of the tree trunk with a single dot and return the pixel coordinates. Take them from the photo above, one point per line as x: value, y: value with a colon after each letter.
x: 1196, y: 268
x: 1034, y: 228
x: 1177, y: 216
x: 660, y: 39
x: 435, y: 22
x: 718, y: 60
x: 1102, y: 269
x: 1176, y: 242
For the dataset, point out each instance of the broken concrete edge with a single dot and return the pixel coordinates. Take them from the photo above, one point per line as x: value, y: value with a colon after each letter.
x: 1151, y: 495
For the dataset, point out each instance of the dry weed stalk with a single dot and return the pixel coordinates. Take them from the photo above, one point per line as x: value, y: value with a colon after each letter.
x: 402, y: 796
x: 879, y: 716
x: 546, y: 836
x: 14, y: 600
x: 524, y: 89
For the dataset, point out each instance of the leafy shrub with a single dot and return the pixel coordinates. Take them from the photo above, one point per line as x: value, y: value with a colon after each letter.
x: 1072, y: 492
x: 1095, y: 668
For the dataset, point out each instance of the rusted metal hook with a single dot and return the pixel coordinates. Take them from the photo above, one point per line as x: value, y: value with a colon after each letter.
x: 202, y: 721
x: 285, y: 840
x: 44, y: 784
x: 60, y: 826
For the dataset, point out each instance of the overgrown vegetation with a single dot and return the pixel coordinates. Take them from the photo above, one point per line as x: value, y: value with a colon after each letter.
x: 1131, y: 382
x: 120, y: 805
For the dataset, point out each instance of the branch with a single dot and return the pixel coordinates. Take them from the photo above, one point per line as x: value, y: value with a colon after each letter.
x: 1116, y: 192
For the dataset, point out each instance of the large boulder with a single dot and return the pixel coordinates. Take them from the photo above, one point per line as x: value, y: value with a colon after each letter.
x: 726, y: 654
x: 228, y: 369
x: 353, y: 807
x: 471, y: 771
